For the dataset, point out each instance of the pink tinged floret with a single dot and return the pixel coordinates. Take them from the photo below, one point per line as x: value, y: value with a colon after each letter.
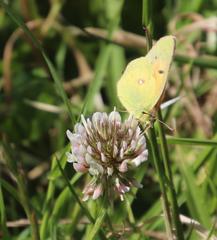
x: 69, y: 135
x: 99, y: 146
x: 89, y: 124
x: 94, y: 167
x: 137, y: 132
x: 137, y: 161
x: 80, y: 129
x: 144, y: 155
x: 89, y: 150
x: 115, y: 151
x: 123, y: 166
x: 88, y: 191
x: 121, y: 154
x: 130, y: 132
x: 104, y: 118
x: 79, y: 167
x: 96, y: 119
x: 81, y: 159
x: 85, y: 124
x: 103, y: 158
x: 115, y: 117
x: 131, y: 122
x: 97, y: 192
x: 133, y: 145
x: 142, y: 142
x: 124, y: 145
x: 81, y: 150
x: 74, y: 138
x: 75, y: 149
x: 122, y: 188
x: 141, y: 158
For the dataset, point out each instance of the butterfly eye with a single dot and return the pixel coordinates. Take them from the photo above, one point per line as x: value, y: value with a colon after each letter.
x: 161, y: 71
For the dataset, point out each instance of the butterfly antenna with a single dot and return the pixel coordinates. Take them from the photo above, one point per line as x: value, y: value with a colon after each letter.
x: 154, y: 117
x: 166, y: 125
x: 145, y: 128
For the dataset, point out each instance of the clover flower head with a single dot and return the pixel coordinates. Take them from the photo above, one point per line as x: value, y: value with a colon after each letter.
x: 108, y: 149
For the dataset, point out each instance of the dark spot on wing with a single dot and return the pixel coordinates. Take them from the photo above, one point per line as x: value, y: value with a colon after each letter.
x: 161, y: 71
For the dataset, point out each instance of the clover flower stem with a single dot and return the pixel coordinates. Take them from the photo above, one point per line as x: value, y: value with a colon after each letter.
x: 108, y: 219
x: 107, y: 206
x: 168, y: 173
x: 130, y: 212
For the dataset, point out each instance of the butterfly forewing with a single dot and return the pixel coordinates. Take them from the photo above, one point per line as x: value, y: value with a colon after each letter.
x: 143, y: 82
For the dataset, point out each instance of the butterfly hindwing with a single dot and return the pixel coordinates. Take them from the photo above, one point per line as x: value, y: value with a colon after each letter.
x: 144, y: 79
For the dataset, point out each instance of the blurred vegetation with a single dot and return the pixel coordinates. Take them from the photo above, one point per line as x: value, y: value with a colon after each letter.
x: 89, y: 44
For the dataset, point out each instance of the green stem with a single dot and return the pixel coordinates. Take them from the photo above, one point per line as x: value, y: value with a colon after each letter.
x: 25, y: 203
x: 160, y: 172
x: 202, y: 61
x: 146, y: 21
x: 147, y: 14
x: 168, y: 173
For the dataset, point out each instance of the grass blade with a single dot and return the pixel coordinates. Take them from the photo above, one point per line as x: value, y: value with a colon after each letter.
x: 191, y: 141
x: 97, y: 225
x: 3, y: 214
x: 74, y: 193
x: 194, y: 195
x: 95, y: 85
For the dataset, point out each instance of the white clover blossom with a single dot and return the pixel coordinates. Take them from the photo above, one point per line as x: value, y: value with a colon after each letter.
x: 108, y: 149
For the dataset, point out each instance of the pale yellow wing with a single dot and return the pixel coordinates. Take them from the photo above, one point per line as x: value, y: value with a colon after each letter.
x: 144, y: 79
x: 160, y: 56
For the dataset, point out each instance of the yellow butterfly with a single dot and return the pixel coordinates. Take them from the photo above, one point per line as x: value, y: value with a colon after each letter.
x: 141, y: 87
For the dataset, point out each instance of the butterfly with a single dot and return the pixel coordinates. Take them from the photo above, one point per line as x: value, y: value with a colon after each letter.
x: 142, y: 85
